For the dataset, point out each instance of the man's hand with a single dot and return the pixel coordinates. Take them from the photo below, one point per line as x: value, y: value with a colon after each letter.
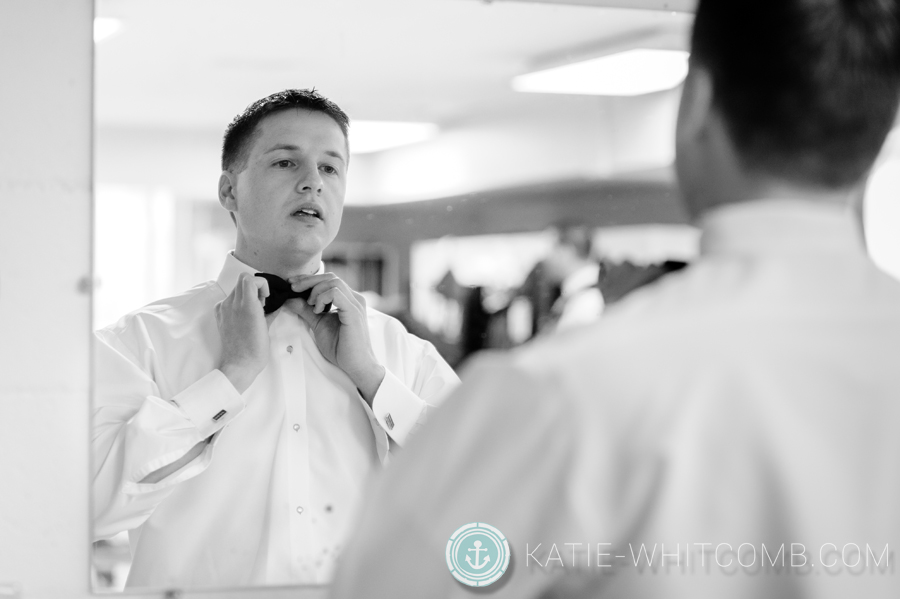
x: 244, y: 331
x: 342, y: 335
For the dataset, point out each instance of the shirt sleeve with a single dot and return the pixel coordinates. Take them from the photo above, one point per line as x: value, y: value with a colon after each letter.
x: 397, y: 409
x: 416, y: 380
x: 136, y: 431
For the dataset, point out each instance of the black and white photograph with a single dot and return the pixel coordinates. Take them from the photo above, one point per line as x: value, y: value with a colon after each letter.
x: 425, y: 299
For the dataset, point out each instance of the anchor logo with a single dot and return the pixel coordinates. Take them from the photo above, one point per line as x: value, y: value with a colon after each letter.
x: 477, y: 549
x: 477, y: 554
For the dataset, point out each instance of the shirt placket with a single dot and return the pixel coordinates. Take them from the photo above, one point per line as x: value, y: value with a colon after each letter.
x: 301, y: 526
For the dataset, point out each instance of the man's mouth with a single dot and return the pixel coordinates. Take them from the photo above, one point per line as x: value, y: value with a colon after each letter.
x: 307, y: 211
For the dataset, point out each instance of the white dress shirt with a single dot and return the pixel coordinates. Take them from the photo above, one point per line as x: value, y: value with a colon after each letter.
x: 752, y: 398
x: 271, y: 498
x: 580, y: 301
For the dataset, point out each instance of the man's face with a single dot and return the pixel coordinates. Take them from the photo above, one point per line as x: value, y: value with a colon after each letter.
x: 289, y: 198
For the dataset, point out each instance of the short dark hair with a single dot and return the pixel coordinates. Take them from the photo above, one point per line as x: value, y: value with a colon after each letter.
x: 240, y: 132
x: 808, y: 88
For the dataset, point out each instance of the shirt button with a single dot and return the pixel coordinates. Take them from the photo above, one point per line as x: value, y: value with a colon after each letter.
x: 299, y: 509
x: 290, y: 348
x: 296, y: 427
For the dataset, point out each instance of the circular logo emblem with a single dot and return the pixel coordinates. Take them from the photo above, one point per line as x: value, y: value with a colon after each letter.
x: 477, y: 554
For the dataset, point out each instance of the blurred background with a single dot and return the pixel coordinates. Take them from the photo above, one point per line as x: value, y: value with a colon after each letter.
x: 504, y: 154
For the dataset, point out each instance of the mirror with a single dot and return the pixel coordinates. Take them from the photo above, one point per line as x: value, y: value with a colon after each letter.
x: 456, y: 178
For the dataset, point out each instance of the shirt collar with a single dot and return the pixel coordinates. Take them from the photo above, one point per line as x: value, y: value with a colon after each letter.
x: 233, y: 267
x: 781, y: 227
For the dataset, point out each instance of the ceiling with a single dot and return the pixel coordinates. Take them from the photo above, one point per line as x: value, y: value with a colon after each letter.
x: 194, y: 64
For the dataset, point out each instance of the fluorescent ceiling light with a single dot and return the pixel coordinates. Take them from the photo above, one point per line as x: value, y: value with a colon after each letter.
x: 374, y: 136
x: 629, y: 73
x: 105, y: 28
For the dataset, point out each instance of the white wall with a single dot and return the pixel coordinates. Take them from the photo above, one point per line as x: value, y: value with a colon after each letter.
x: 45, y: 132
x: 593, y: 137
x: 186, y: 160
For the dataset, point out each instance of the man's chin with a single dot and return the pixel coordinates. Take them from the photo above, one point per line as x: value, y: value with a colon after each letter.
x: 305, y: 250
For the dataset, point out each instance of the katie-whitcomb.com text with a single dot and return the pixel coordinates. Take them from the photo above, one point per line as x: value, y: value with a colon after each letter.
x: 831, y: 558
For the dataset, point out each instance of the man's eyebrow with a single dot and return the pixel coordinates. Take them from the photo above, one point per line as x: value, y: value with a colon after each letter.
x: 277, y: 147
x: 294, y: 148
x: 337, y: 155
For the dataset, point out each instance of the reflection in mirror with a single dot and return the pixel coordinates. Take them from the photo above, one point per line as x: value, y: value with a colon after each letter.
x: 484, y: 177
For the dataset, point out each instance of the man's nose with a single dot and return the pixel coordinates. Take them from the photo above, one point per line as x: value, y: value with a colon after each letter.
x: 310, y: 178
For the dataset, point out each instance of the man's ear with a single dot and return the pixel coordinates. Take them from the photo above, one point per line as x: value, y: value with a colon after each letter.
x: 695, y: 111
x: 226, y: 191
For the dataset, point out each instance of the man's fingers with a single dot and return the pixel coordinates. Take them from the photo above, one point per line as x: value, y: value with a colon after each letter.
x: 262, y: 288
x: 359, y: 298
x: 303, y: 310
x: 347, y: 306
x: 304, y: 282
x: 238, y: 291
x: 262, y: 285
x: 319, y: 289
x: 321, y: 292
x: 248, y: 293
x: 325, y: 297
x: 326, y: 286
x: 248, y: 288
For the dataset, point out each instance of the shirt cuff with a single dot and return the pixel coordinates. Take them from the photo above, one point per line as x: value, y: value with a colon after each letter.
x: 211, y: 403
x: 396, y: 408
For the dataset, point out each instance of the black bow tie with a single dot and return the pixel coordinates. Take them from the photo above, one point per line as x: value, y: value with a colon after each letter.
x: 280, y: 291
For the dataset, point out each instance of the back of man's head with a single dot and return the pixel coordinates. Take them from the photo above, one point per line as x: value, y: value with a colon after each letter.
x: 239, y: 134
x: 808, y: 88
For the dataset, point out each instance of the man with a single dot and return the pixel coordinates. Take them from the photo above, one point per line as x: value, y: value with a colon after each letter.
x: 232, y: 436
x: 572, y: 267
x: 732, y: 428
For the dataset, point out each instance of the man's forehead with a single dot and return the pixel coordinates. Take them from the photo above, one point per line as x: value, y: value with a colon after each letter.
x: 297, y: 128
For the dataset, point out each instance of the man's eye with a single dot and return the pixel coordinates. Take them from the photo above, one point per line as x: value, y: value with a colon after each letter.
x: 329, y: 169
x: 284, y: 164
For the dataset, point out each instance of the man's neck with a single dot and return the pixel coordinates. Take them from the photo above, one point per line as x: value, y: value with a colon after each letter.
x: 281, y: 265
x: 776, y: 189
x: 746, y: 189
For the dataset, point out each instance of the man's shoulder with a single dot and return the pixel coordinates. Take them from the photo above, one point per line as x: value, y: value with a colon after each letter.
x: 662, y: 315
x: 381, y: 323
x: 394, y: 336
x: 716, y: 310
x: 177, y: 310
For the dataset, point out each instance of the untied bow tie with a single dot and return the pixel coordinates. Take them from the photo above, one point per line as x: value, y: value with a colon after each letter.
x: 281, y: 291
